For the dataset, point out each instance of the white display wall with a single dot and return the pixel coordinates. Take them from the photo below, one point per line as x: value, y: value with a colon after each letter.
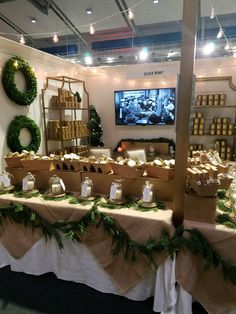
x: 102, y: 83
x: 44, y: 65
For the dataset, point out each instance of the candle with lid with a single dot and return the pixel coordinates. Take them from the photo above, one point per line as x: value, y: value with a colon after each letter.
x: 28, y: 182
x: 116, y: 193
x: 55, y: 185
x: 147, y: 193
x: 86, y: 187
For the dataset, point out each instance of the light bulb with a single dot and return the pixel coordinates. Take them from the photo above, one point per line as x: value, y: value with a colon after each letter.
x: 155, y: 1
x: 220, y: 33
x: 130, y: 14
x: 88, y: 60
x: 55, y: 38
x: 15, y: 64
x: 227, y: 46
x: 22, y: 40
x: 91, y: 29
x: 208, y: 48
x: 213, y: 14
x: 143, y: 54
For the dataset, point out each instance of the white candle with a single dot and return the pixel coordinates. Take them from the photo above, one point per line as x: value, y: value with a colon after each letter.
x: 30, y: 185
x: 118, y: 195
x: 56, y: 188
x: 86, y: 190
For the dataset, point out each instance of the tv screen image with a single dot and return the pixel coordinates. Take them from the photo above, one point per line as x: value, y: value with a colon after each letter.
x: 145, y: 106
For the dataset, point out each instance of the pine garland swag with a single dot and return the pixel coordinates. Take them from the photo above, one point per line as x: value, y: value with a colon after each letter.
x: 196, y: 243
x: 13, y: 65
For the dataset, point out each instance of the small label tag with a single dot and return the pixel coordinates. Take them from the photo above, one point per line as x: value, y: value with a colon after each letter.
x: 62, y: 185
x: 25, y: 184
x: 6, y: 180
x: 113, y: 192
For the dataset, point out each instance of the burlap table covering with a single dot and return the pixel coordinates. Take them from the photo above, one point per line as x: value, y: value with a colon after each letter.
x: 210, y: 288
x: 139, y: 225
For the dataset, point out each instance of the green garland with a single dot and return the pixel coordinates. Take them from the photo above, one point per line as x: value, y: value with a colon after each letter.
x: 195, y: 243
x: 8, y: 81
x: 13, y: 133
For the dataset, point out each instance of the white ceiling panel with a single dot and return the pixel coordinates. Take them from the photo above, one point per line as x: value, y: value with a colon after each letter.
x: 149, y: 13
x: 220, y: 6
x: 102, y: 9
x: 20, y: 13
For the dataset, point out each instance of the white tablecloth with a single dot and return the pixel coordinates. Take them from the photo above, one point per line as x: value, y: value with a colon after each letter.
x: 76, y: 263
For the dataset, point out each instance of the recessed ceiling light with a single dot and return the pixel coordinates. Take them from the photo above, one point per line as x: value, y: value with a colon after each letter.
x: 155, y: 1
x: 89, y: 11
x: 33, y: 20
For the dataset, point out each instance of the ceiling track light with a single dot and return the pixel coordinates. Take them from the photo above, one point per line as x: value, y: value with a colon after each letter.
x: 91, y: 29
x: 33, y: 20
x: 89, y: 11
x: 55, y: 38
x: 212, y: 14
x: 130, y: 14
x: 22, y: 40
x: 220, y: 33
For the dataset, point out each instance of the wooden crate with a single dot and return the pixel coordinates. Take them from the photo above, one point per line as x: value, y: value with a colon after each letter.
x: 126, y: 171
x: 160, y: 172
x: 13, y: 162
x: 37, y: 165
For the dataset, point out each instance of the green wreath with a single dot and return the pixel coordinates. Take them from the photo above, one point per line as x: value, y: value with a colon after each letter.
x: 13, y: 133
x: 8, y: 81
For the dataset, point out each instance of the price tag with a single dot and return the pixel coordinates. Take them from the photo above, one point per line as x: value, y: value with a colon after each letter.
x: 25, y: 184
x: 62, y: 185
x: 113, y: 192
x: 146, y: 194
x: 6, y: 180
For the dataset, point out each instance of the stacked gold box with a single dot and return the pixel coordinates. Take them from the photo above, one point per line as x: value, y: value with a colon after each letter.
x: 194, y: 147
x: 81, y: 150
x: 198, y: 123
x: 221, y: 126
x: 225, y: 150
x: 210, y: 100
x: 68, y: 129
x: 65, y: 100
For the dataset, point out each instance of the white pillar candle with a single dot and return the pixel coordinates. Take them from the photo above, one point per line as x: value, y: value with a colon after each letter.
x: 118, y: 195
x: 56, y: 188
x: 30, y: 185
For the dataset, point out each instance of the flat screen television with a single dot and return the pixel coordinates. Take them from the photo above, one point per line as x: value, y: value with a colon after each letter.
x: 145, y: 106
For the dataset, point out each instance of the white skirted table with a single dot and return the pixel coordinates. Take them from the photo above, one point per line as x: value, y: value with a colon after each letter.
x: 91, y: 261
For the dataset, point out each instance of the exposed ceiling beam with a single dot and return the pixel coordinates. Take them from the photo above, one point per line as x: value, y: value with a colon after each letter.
x: 67, y: 22
x: 129, y: 22
x: 15, y: 27
x: 41, y: 5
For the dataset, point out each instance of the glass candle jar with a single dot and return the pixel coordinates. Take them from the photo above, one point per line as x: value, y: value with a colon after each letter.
x: 55, y: 186
x: 5, y: 179
x: 147, y: 193
x: 116, y: 193
x: 87, y: 187
x: 28, y: 182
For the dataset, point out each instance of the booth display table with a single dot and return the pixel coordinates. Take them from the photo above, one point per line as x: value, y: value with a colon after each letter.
x: 216, y: 293
x: 91, y: 261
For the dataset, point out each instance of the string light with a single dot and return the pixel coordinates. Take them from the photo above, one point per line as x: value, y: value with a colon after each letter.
x: 15, y: 64
x: 55, y: 38
x: 22, y: 40
x: 220, y: 33
x: 212, y: 14
x: 227, y: 47
x: 91, y: 29
x: 130, y: 14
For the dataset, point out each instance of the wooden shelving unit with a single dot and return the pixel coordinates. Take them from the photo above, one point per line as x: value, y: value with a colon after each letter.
x: 228, y: 110
x: 77, y: 129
